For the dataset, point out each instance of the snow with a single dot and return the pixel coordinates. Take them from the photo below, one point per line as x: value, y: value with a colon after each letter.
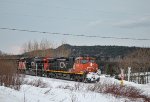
x: 144, y: 87
x: 56, y: 90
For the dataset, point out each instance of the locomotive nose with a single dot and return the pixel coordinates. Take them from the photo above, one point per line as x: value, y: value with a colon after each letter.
x: 91, y: 69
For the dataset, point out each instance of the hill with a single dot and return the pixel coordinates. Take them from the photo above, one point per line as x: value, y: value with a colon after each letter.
x: 99, y: 51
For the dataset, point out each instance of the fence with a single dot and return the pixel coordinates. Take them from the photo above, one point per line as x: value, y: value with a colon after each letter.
x: 140, y: 78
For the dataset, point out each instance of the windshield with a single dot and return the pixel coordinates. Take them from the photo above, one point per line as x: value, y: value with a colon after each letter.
x: 92, y: 61
x: 84, y: 61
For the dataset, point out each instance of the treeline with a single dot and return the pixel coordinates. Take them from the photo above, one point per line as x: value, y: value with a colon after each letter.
x: 105, y: 51
x: 138, y: 60
x: 66, y: 50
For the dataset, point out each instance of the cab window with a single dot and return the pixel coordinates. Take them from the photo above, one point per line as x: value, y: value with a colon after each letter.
x: 92, y: 61
x: 84, y: 61
x: 77, y: 61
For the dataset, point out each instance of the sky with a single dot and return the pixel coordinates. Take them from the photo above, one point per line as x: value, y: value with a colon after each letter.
x: 105, y: 18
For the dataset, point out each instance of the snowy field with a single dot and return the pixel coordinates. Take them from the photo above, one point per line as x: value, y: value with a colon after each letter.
x: 56, y: 90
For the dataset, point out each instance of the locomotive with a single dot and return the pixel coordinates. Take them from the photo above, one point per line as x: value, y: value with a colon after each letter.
x: 83, y: 69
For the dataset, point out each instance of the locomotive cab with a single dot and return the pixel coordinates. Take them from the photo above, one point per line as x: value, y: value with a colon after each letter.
x: 85, y: 64
x: 88, y: 66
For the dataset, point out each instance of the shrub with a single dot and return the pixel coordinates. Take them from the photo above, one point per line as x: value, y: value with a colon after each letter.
x: 117, y: 90
x: 8, y: 74
x: 37, y: 83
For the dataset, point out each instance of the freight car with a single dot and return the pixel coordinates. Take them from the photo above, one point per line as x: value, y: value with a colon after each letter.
x: 79, y: 69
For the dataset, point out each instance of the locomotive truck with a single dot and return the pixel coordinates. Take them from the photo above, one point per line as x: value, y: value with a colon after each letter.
x: 83, y: 69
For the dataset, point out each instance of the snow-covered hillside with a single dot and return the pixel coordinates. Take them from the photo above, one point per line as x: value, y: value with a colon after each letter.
x: 39, y: 89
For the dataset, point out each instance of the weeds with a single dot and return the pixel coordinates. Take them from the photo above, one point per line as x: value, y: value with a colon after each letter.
x: 66, y: 87
x: 46, y: 92
x: 73, y: 98
x: 37, y: 83
x: 75, y: 87
x: 118, y: 91
x: 8, y: 74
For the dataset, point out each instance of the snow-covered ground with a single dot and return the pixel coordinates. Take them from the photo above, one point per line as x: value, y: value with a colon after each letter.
x: 56, y: 90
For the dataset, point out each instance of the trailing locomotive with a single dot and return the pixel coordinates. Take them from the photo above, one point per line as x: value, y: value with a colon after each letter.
x: 79, y: 69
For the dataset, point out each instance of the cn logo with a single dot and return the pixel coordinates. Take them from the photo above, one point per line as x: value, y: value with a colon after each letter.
x: 62, y: 65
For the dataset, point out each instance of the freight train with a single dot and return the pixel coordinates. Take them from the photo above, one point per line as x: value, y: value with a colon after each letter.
x: 83, y: 69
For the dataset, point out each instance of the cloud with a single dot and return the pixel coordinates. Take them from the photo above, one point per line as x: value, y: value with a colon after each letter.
x: 134, y: 23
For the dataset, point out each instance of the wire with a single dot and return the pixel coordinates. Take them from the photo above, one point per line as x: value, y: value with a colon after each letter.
x: 80, y: 35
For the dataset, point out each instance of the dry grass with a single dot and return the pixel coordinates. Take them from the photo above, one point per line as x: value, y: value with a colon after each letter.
x: 36, y: 83
x: 73, y: 97
x: 75, y: 87
x: 8, y: 74
x: 119, y: 91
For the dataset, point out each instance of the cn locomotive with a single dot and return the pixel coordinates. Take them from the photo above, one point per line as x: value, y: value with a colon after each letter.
x: 83, y: 69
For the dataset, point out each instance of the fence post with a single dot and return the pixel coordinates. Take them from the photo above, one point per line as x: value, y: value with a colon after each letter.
x: 129, y: 71
x: 147, y: 74
x: 36, y: 68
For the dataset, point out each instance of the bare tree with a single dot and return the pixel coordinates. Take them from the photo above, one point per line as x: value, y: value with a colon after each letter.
x: 1, y: 53
x: 139, y: 61
x: 40, y: 49
x: 46, y: 47
x: 35, y: 45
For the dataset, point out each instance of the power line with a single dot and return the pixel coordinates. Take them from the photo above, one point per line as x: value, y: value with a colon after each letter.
x: 78, y: 35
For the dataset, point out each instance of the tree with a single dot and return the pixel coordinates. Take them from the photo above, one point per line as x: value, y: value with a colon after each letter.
x: 139, y: 60
x: 40, y: 49
x: 1, y: 53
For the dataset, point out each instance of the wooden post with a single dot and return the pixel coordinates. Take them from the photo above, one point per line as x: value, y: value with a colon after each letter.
x: 147, y: 75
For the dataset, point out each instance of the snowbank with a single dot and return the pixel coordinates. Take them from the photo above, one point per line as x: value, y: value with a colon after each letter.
x: 56, y: 90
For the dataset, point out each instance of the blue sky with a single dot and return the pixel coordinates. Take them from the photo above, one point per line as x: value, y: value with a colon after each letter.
x: 115, y: 18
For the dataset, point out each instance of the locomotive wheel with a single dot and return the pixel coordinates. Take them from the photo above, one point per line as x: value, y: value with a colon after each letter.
x: 77, y: 78
x: 72, y: 77
x: 57, y: 76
